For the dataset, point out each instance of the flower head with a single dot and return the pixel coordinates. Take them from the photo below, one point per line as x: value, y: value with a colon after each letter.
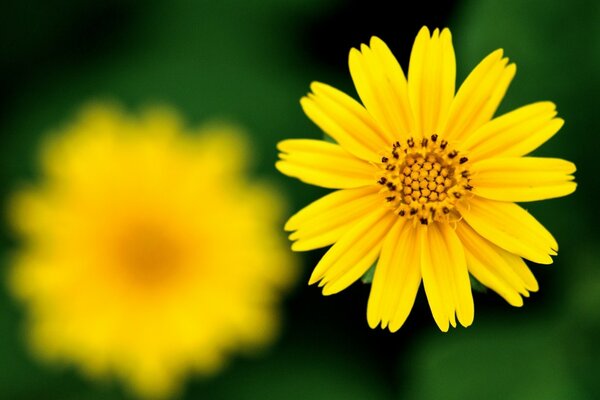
x: 427, y: 179
x: 147, y: 254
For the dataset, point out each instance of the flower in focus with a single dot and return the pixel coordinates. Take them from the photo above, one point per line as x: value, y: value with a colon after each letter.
x: 427, y: 182
x: 147, y: 254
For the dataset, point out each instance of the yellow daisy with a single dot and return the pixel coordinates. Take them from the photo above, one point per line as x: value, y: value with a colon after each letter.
x: 427, y: 182
x: 147, y: 255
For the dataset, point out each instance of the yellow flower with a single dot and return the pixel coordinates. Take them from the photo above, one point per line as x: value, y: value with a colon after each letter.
x: 428, y: 180
x: 147, y: 254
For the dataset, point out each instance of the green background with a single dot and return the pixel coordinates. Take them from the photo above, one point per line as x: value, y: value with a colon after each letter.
x: 250, y: 62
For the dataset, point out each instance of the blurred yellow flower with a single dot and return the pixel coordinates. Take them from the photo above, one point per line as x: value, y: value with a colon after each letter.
x: 428, y: 180
x: 147, y: 254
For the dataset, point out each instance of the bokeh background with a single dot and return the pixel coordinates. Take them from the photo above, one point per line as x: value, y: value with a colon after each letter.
x: 250, y: 62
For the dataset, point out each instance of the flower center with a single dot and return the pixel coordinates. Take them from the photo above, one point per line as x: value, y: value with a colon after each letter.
x: 149, y: 255
x: 424, y: 180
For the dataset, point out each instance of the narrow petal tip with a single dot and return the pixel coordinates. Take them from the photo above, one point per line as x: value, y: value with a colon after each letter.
x: 545, y: 260
x: 354, y: 53
x: 394, y: 327
x: 423, y: 31
x: 279, y: 166
x: 497, y: 54
x: 446, y: 34
x: 372, y: 320
x: 518, y: 303
x: 296, y: 246
x: 283, y: 145
x: 444, y: 327
x: 330, y: 289
x: 314, y: 278
x: 290, y: 225
x: 466, y: 319
x: 316, y: 86
x: 533, y: 286
x: 511, y: 69
x: 376, y: 41
x: 304, y: 100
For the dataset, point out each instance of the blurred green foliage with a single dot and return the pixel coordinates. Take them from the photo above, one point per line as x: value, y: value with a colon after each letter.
x: 243, y: 61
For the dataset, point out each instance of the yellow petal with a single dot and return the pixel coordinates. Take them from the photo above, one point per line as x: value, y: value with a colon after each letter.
x: 431, y: 80
x: 518, y: 265
x: 510, y: 227
x: 522, y: 178
x: 345, y: 120
x: 323, y: 164
x: 458, y: 276
x: 326, y: 220
x: 354, y: 253
x: 325, y: 204
x: 445, y: 276
x: 397, y: 278
x: 479, y: 96
x: 503, y: 272
x: 375, y: 91
x: 516, y: 133
x: 394, y: 87
x: 431, y: 279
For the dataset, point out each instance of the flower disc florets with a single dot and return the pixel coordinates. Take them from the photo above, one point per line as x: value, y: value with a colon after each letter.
x: 422, y: 180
